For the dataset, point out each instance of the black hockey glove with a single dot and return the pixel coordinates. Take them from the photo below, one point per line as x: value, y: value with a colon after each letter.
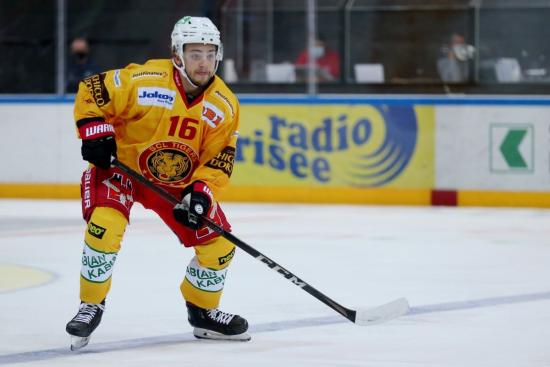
x: 98, y: 141
x: 99, y: 151
x: 195, y: 203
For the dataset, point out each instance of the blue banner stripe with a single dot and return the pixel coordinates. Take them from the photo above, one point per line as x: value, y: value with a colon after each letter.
x: 249, y: 99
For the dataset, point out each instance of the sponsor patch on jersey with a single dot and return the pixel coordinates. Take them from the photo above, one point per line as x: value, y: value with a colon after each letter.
x: 156, y: 96
x: 225, y: 259
x: 97, y: 266
x: 223, y: 161
x: 226, y: 101
x: 96, y: 87
x: 167, y: 162
x: 211, y: 114
x: 116, y: 78
x: 95, y: 230
x: 150, y: 74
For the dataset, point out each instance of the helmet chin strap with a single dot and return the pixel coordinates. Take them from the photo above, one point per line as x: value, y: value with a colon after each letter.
x: 183, y: 72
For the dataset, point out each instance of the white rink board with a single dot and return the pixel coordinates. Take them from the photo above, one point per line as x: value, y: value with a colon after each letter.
x: 39, y: 144
x: 469, y: 143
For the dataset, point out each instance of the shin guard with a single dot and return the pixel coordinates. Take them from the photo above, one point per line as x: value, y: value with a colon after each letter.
x: 101, y: 245
x: 206, y: 273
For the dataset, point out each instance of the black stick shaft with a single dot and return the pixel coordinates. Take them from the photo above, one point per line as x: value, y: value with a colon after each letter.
x: 347, y: 313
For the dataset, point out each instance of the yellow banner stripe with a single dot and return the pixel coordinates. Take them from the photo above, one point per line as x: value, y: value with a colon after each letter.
x: 505, y: 199
x: 329, y: 195
x: 40, y: 191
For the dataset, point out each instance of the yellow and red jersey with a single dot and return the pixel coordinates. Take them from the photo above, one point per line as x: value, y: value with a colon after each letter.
x: 159, y: 133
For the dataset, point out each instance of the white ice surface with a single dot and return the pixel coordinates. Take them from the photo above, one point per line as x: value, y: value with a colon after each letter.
x: 477, y: 279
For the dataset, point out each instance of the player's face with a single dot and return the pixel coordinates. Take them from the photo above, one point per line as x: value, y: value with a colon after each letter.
x: 200, y: 61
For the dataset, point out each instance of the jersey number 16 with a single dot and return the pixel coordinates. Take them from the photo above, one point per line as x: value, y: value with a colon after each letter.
x: 185, y: 127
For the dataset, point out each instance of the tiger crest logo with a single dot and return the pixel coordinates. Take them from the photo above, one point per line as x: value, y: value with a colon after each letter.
x: 168, y: 163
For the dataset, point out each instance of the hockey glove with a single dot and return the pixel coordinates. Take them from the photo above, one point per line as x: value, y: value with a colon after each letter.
x: 98, y: 143
x: 99, y: 151
x: 196, y: 201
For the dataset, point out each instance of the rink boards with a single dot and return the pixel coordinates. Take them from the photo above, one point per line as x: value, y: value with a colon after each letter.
x: 418, y: 150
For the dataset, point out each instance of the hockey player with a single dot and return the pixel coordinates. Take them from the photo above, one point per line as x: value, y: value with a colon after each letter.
x: 175, y: 122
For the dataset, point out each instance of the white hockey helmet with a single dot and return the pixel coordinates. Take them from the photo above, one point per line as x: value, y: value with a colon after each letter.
x: 196, y: 30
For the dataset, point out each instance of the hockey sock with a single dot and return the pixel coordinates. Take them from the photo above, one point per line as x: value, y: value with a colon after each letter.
x: 205, y: 275
x: 101, y: 245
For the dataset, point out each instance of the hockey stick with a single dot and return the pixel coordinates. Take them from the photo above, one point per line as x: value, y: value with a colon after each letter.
x: 361, y: 317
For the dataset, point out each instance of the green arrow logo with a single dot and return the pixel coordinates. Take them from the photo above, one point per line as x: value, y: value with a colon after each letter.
x: 510, y: 148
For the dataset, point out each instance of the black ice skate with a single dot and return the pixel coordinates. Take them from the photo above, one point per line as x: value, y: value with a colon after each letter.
x: 84, y: 323
x: 216, y: 324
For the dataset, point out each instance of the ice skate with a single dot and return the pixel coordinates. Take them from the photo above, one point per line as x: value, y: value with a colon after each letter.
x: 216, y: 324
x: 84, y: 323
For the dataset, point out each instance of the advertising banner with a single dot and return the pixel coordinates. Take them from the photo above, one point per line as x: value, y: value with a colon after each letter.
x: 493, y: 148
x: 335, y: 145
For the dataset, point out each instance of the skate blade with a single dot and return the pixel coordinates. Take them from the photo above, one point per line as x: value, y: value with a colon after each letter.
x: 212, y: 335
x: 79, y: 342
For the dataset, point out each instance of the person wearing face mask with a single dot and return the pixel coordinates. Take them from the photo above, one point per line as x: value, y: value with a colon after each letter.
x: 454, y: 65
x: 81, y: 64
x: 326, y: 60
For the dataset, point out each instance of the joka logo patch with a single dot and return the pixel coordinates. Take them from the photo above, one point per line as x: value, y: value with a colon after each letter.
x: 155, y: 96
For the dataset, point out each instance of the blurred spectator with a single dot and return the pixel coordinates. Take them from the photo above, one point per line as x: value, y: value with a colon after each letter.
x: 533, y: 65
x: 326, y: 59
x: 81, y: 64
x: 454, y: 65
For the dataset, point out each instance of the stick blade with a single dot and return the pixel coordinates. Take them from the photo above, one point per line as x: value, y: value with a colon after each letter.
x: 382, y: 313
